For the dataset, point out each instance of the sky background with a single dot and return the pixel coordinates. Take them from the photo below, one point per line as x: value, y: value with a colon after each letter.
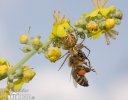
x: 110, y: 62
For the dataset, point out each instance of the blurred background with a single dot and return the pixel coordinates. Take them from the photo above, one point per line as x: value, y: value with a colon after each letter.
x: 110, y: 62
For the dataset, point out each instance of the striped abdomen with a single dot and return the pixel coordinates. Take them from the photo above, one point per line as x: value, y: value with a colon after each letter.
x: 80, y: 79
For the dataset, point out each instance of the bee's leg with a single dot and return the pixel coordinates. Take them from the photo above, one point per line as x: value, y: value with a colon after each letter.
x: 87, y: 49
x: 93, y: 70
x: 64, y: 62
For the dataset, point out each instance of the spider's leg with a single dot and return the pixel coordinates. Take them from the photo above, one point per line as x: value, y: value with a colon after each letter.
x: 64, y: 62
x: 82, y: 41
x: 87, y: 49
x: 64, y: 55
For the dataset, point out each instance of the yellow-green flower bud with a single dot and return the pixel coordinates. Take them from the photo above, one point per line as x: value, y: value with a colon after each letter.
x: 4, y: 94
x: 79, y: 30
x: 28, y: 74
x: 19, y: 72
x: 118, y: 14
x: 92, y: 27
x: 53, y: 54
x: 36, y: 42
x: 10, y: 85
x: 2, y: 62
x: 23, y: 39
x: 3, y: 71
x: 10, y: 78
x: 112, y: 8
x: 17, y: 85
x: 110, y: 23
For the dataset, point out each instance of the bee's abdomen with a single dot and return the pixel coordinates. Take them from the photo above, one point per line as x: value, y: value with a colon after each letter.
x: 81, y: 80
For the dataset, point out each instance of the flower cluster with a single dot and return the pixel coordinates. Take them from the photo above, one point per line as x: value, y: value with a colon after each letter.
x: 23, y: 75
x: 15, y: 80
x: 101, y: 20
x: 53, y: 54
x: 60, y: 26
x: 60, y: 37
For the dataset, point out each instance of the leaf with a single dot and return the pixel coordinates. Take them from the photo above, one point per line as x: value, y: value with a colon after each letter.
x: 18, y: 85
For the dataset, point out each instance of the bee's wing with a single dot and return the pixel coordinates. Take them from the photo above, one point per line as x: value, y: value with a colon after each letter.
x: 75, y: 83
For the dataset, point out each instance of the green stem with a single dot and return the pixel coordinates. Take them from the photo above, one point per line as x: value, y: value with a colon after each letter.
x: 19, y: 65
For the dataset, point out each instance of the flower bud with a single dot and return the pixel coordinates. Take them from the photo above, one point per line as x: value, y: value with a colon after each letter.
x: 2, y: 62
x: 11, y: 84
x: 19, y: 72
x: 117, y: 21
x: 10, y: 78
x: 81, y: 22
x: 77, y: 24
x: 28, y: 74
x: 36, y: 42
x: 110, y: 23
x: 79, y: 30
x: 101, y: 25
x: 4, y: 94
x: 118, y: 14
x: 99, y: 16
x: 23, y: 39
x: 92, y: 26
x: 53, y: 54
x: 3, y: 71
x: 112, y: 8
x: 17, y: 85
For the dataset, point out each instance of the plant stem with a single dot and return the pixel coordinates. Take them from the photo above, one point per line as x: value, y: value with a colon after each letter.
x: 19, y: 65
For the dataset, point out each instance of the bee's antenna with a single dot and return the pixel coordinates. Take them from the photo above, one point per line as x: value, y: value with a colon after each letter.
x: 64, y: 62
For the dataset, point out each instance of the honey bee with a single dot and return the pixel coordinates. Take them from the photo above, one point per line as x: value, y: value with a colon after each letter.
x: 79, y: 63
